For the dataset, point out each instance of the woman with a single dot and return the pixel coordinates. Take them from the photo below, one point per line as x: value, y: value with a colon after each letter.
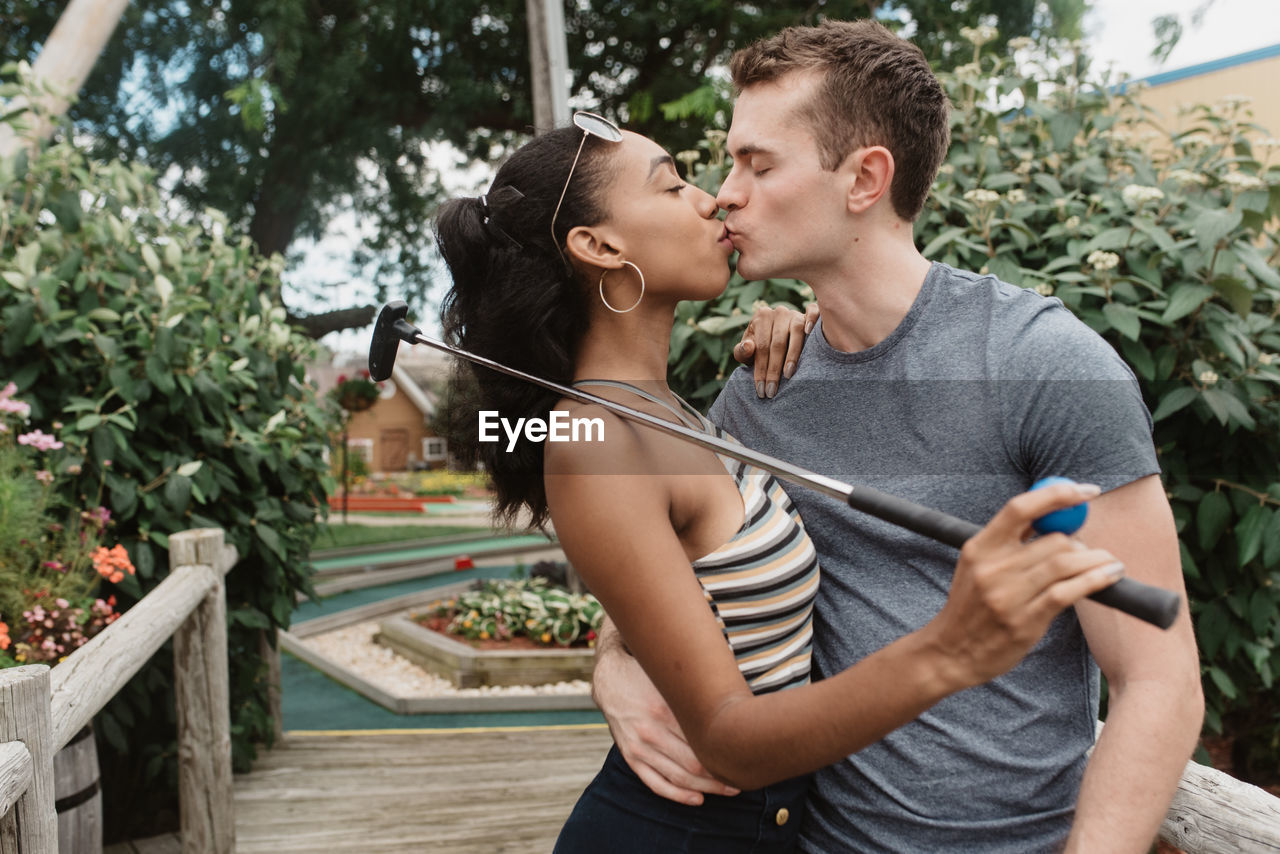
x: 571, y: 267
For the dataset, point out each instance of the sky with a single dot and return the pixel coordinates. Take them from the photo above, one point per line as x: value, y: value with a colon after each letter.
x: 1117, y: 32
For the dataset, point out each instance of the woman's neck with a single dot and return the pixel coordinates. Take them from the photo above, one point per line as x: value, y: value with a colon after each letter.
x: 630, y: 347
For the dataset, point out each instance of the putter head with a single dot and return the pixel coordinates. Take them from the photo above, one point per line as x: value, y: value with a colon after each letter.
x: 387, y: 333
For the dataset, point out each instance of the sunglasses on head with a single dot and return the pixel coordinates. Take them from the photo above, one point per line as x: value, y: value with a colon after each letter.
x: 591, y: 125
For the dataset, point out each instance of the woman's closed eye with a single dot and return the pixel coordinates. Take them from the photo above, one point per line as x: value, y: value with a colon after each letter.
x: 677, y: 189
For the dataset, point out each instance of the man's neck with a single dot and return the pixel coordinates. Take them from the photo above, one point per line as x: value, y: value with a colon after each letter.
x: 866, y: 296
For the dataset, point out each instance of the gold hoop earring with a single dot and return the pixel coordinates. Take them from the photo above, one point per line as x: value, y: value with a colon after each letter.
x: 633, y: 305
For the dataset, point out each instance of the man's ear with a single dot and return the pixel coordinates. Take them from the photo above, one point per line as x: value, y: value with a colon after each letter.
x: 871, y: 170
x: 594, y: 246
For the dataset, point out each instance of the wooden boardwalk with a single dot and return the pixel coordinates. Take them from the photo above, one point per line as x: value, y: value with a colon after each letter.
x: 445, y: 791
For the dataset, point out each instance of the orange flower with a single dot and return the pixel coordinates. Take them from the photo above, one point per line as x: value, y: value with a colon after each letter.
x: 112, y: 563
x: 4, y: 636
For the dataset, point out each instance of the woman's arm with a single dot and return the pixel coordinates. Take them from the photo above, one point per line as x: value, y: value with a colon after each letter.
x: 617, y: 532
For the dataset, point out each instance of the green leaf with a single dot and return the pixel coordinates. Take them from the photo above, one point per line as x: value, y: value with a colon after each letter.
x: 1049, y: 183
x: 943, y: 239
x: 1226, y: 342
x: 1174, y: 401
x: 1063, y: 127
x: 1111, y: 239
x: 271, y: 539
x: 1186, y: 299
x: 150, y: 258
x: 1124, y: 319
x: 1213, y: 225
x: 1256, y: 264
x: 1262, y: 611
x: 177, y: 493
x: 85, y: 423
x: 104, y: 315
x: 1211, y: 518
x: 25, y: 259
x: 1249, y: 533
x: 1224, y: 683
x: 1271, y: 542
x: 1237, y: 295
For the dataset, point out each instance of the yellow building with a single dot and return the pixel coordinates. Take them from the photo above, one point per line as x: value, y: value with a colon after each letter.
x: 1254, y: 74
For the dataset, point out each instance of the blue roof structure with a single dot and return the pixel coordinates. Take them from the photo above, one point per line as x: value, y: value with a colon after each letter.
x: 1213, y: 65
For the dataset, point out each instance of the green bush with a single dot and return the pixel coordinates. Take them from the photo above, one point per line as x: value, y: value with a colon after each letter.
x: 159, y: 340
x: 1163, y: 239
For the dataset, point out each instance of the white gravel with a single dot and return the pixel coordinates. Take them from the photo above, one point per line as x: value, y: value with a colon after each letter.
x: 353, y: 648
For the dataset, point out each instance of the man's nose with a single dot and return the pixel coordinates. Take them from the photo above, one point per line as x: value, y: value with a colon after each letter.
x: 730, y: 196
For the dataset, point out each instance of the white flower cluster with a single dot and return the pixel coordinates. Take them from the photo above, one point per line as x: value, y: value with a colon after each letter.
x: 1185, y: 177
x: 1100, y: 260
x: 1137, y: 195
x: 1241, y: 181
x: 1266, y: 358
x: 979, y: 35
x: 946, y: 169
x: 688, y: 157
x: 1016, y: 196
x: 1208, y: 377
x: 980, y: 196
x: 1072, y: 223
x: 1044, y: 289
x: 1021, y: 43
x: 968, y: 71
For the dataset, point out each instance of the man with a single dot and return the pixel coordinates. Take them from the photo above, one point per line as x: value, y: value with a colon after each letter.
x: 956, y: 391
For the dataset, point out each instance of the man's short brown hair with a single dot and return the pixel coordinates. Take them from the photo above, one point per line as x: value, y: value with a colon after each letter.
x: 875, y: 89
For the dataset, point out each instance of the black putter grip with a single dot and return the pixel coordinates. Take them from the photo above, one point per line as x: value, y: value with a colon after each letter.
x: 1155, y: 605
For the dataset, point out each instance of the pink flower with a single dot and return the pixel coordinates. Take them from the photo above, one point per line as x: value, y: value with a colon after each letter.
x: 44, y: 476
x: 99, y: 516
x: 7, y: 404
x: 40, y: 441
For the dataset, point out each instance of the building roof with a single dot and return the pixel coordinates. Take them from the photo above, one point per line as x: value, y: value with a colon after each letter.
x: 1211, y: 66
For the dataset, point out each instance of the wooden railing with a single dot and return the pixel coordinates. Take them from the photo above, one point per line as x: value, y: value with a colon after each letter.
x: 41, y: 709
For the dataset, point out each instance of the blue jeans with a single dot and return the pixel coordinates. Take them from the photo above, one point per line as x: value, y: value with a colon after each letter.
x: 618, y: 814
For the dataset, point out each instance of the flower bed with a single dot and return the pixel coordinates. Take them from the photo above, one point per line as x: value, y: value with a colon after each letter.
x: 504, y: 632
x: 52, y: 559
x: 531, y: 609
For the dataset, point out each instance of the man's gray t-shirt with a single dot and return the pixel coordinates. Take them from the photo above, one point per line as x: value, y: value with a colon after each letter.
x: 982, y: 389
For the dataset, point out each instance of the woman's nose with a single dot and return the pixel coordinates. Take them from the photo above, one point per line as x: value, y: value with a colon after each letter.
x: 706, y: 204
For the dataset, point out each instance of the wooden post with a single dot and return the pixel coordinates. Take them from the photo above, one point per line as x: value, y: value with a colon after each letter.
x: 269, y: 649
x: 202, y: 689
x: 68, y: 56
x: 25, y: 716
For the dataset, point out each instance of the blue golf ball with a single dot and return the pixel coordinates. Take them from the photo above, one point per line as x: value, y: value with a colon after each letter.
x: 1068, y: 520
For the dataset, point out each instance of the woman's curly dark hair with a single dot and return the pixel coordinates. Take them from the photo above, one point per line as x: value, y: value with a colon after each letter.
x: 514, y: 300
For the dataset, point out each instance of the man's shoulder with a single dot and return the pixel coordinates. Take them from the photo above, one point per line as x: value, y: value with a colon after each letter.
x: 1025, y: 327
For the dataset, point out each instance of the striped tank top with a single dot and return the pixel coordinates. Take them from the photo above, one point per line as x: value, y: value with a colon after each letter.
x: 761, y: 583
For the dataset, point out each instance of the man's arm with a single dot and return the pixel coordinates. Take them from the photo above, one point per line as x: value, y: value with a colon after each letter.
x: 1155, y: 706
x: 644, y: 727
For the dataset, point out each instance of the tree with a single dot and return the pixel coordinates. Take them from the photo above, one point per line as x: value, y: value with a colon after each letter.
x: 284, y: 112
